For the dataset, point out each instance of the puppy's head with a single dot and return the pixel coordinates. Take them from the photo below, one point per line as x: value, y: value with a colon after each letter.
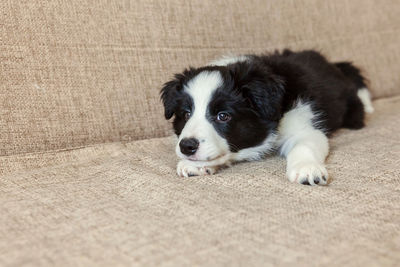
x: 222, y: 109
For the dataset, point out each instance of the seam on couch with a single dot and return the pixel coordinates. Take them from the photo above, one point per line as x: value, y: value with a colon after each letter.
x: 123, y: 142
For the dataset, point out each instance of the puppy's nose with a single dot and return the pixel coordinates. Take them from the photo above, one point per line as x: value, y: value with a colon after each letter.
x: 189, y: 146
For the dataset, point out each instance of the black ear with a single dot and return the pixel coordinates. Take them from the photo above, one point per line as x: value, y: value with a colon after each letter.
x: 262, y: 88
x: 265, y: 96
x: 169, y: 96
x: 171, y: 91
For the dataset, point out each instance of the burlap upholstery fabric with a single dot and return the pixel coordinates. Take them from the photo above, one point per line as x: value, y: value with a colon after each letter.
x: 76, y: 73
x: 121, y: 204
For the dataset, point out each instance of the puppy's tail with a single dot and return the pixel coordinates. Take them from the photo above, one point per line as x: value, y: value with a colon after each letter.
x: 354, y: 74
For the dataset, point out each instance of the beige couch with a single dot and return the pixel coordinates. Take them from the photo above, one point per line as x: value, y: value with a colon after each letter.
x: 88, y: 170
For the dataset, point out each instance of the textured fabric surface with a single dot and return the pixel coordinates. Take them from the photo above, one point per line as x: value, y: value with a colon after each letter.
x: 75, y: 73
x: 123, y: 204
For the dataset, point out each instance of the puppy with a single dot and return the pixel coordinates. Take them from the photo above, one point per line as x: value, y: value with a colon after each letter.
x: 242, y: 108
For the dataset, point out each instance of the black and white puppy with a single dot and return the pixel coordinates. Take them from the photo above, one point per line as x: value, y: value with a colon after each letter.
x: 242, y: 108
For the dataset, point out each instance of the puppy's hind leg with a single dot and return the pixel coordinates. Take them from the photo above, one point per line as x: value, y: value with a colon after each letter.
x: 304, y: 146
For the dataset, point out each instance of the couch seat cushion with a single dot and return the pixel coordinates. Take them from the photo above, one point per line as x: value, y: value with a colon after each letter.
x: 122, y: 203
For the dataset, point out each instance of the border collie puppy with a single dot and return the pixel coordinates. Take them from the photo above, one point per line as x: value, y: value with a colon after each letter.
x: 242, y: 108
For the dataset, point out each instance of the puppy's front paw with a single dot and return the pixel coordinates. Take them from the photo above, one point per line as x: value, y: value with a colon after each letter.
x: 185, y: 169
x: 308, y: 173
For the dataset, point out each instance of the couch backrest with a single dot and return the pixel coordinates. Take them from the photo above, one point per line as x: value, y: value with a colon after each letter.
x: 74, y: 73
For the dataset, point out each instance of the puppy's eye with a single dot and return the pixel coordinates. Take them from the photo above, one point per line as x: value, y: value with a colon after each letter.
x: 223, y: 117
x: 186, y: 115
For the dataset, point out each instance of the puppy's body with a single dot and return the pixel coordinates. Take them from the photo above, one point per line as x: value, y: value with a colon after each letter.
x: 242, y: 108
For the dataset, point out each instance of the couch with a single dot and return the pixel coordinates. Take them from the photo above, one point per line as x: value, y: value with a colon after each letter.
x: 87, y: 160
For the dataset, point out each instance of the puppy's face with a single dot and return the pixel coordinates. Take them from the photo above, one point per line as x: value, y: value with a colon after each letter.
x: 221, y: 110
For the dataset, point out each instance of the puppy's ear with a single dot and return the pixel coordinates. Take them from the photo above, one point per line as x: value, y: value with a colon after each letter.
x: 262, y: 88
x: 265, y: 96
x: 171, y: 90
x: 169, y: 96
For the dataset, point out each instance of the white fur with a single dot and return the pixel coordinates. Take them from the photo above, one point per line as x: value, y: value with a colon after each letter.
x: 257, y: 152
x: 187, y: 168
x: 304, y: 146
x: 365, y: 98
x: 212, y: 145
x: 226, y: 60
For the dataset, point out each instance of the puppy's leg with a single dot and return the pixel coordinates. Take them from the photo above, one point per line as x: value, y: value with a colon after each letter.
x: 304, y: 146
x: 305, y: 159
x: 187, y: 168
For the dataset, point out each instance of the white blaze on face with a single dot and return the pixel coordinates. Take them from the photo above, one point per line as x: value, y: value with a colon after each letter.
x: 211, y: 144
